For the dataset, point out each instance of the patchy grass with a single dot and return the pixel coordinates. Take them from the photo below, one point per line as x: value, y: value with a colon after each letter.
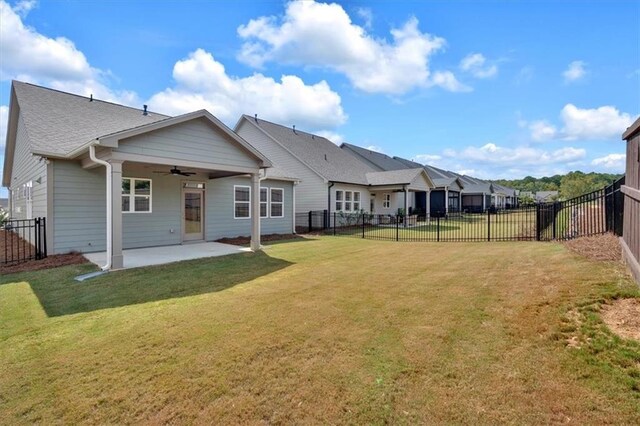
x: 323, y: 331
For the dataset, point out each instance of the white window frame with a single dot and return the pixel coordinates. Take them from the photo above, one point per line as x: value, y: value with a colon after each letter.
x: 132, y: 195
x: 358, y: 201
x: 266, y: 203
x: 29, y: 199
x: 386, y: 200
x: 271, y: 202
x: 243, y: 202
x: 341, y: 200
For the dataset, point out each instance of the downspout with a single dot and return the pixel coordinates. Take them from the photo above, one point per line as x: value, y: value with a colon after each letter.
x: 328, y: 224
x: 107, y: 165
x: 293, y: 206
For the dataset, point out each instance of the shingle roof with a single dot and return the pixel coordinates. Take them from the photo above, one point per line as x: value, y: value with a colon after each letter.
x: 379, y: 160
x: 59, y: 123
x: 318, y: 153
x: 393, y: 177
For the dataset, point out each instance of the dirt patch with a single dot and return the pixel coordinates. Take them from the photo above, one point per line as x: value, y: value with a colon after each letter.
x: 622, y: 317
x: 597, y: 247
x: 244, y: 241
x: 49, y: 262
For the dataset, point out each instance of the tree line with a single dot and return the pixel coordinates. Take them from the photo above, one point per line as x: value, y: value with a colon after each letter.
x: 569, y: 185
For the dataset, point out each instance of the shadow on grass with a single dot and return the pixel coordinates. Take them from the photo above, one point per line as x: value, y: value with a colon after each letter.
x: 59, y: 294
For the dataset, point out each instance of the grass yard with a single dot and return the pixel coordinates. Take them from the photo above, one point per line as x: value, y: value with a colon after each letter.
x: 330, y: 330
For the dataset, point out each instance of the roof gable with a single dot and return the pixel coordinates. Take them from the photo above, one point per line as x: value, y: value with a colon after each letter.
x: 319, y: 154
x: 59, y: 123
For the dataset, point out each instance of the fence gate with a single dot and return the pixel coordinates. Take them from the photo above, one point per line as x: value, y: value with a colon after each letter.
x: 22, y: 240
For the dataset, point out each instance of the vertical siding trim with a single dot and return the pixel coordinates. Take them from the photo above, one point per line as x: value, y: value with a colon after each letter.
x: 50, y: 211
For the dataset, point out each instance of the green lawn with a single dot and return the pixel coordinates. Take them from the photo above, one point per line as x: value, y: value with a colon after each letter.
x: 331, y: 330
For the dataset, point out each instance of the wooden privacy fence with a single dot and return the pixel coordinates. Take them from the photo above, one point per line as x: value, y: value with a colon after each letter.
x: 22, y: 240
x: 594, y: 213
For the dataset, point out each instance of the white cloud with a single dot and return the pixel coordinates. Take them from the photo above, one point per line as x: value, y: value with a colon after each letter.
x: 596, y: 123
x: 491, y: 153
x: 541, y: 130
x: 23, y: 7
x: 427, y: 158
x: 366, y: 15
x: 4, y: 119
x: 476, y: 65
x: 605, y: 122
x: 55, y: 62
x: 525, y: 75
x: 323, y: 35
x: 203, y: 83
x: 334, y: 137
x: 448, y: 81
x: 614, y: 162
x: 574, y: 72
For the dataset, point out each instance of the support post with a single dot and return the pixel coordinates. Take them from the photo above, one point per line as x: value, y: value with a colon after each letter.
x: 406, y: 206
x: 255, y: 212
x: 117, y: 260
x: 446, y: 201
x: 488, y: 225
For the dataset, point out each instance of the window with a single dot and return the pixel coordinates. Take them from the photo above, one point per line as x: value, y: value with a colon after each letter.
x: 264, y: 194
x: 136, y: 195
x: 339, y: 198
x: 356, y: 201
x: 347, y: 201
x: 277, y: 202
x: 242, y: 202
x: 386, y: 201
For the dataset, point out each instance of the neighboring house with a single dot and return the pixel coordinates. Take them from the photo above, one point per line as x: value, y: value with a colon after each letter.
x: 631, y: 227
x: 330, y: 178
x: 546, y: 196
x: 446, y: 186
x: 170, y: 180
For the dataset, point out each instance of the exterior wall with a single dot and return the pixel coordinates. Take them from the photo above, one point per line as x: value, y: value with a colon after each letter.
x: 79, y: 209
x: 631, y: 189
x: 195, y: 140
x: 27, y: 168
x: 397, y: 201
x: 219, y: 213
x: 311, y: 192
x: 365, y: 195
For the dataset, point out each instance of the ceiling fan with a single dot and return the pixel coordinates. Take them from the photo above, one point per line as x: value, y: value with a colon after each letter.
x: 176, y: 172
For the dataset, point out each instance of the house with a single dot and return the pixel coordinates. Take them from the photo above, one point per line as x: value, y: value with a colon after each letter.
x: 546, y: 196
x: 631, y: 189
x: 330, y: 178
x: 446, y: 186
x: 108, y: 177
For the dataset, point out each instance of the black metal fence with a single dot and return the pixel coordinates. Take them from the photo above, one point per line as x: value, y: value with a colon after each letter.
x: 594, y: 213
x: 22, y: 240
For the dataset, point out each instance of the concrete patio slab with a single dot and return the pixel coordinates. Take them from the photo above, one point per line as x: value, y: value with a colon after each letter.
x: 136, y: 258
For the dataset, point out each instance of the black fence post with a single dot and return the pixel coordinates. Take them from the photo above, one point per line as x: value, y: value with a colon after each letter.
x: 334, y: 223
x: 553, y: 215
x: 397, y: 228
x: 362, y: 225
x: 489, y: 225
x: 36, y: 236
x: 438, y: 228
x: 44, y: 238
x: 310, y: 220
x: 538, y: 222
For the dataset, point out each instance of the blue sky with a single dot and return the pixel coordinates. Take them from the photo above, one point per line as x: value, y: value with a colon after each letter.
x: 492, y: 89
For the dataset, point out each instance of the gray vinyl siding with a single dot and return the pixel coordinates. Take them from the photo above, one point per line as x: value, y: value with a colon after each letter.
x: 79, y: 208
x: 219, y: 211
x: 311, y: 192
x: 196, y: 140
x: 365, y: 196
x: 27, y: 167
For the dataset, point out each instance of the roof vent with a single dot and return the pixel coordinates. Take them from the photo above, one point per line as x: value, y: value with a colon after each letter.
x: 313, y: 137
x: 91, y: 97
x: 325, y: 157
x: 145, y: 110
x: 255, y: 117
x: 294, y: 129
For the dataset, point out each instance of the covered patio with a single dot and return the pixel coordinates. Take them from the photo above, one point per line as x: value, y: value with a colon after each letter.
x: 137, y: 258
